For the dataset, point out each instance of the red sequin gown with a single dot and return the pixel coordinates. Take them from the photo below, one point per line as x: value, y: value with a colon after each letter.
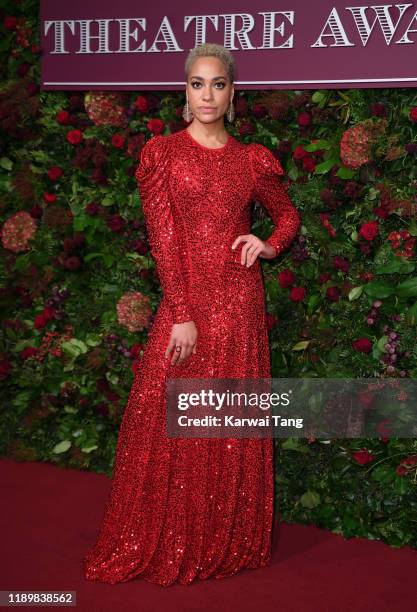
x: 182, y: 509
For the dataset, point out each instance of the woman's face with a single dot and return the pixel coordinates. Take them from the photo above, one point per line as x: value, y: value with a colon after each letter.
x: 208, y: 89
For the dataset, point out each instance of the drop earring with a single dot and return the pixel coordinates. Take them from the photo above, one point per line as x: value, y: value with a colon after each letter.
x: 230, y: 112
x: 187, y: 114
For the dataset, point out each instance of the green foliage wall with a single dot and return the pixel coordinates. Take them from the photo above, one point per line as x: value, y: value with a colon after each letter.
x: 79, y: 289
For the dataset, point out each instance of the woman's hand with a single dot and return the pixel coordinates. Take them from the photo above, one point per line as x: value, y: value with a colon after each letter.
x: 184, y: 336
x: 254, y: 247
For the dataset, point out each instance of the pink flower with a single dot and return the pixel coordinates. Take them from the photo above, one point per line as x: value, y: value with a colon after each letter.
x: 17, y: 231
x: 133, y: 311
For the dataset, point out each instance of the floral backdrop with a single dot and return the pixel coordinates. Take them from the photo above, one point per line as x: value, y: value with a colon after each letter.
x: 79, y: 289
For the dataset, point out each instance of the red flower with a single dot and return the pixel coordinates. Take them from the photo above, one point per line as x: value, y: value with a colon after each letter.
x: 10, y: 22
x: 40, y: 321
x: 141, y: 104
x: 62, y: 117
x: 363, y: 456
x: 271, y: 321
x: 299, y: 152
x: 333, y: 294
x: 115, y: 222
x: 118, y: 140
x: 341, y: 263
x: 49, y: 312
x: 5, y: 367
x: 323, y: 278
x: 362, y: 345
x: 74, y: 136
x: 286, y: 278
x: 156, y: 126
x: 55, y: 172
x: 297, y: 294
x: 369, y: 230
x: 49, y: 197
x: 29, y: 351
x: 413, y: 114
x: 304, y: 119
x: 309, y: 164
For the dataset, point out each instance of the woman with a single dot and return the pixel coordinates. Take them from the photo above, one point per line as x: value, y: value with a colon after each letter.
x: 182, y: 509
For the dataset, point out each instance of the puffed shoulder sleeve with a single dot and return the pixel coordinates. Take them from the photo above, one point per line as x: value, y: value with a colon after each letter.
x: 269, y: 189
x: 152, y: 180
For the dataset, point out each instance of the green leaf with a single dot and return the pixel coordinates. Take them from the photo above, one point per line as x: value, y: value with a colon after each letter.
x: 379, y: 289
x: 397, y: 265
x: 300, y: 346
x: 61, y: 447
x: 310, y: 499
x: 6, y: 163
x: 345, y: 173
x: 317, y: 146
x: 411, y: 314
x: 325, y: 166
x: 294, y: 444
x: 355, y: 293
x: 407, y: 288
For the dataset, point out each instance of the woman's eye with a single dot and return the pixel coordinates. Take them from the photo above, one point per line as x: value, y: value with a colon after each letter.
x: 220, y: 83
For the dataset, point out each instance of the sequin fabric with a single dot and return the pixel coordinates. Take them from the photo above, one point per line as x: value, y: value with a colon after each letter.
x: 181, y: 509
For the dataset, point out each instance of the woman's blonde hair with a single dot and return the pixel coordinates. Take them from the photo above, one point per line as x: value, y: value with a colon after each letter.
x: 212, y: 50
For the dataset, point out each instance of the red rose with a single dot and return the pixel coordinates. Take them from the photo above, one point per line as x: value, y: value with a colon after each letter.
x: 141, y: 104
x: 286, y: 278
x: 49, y: 312
x: 55, y: 172
x: 115, y: 222
x: 401, y: 470
x: 74, y: 137
x: 118, y: 140
x: 413, y: 114
x: 363, y: 456
x: 63, y: 117
x: 10, y: 22
x: 40, y: 321
x: 156, y: 126
x: 297, y: 294
x: 309, y: 164
x: 362, y: 345
x: 323, y: 278
x: 5, y: 368
x: 304, y: 119
x: 49, y: 197
x: 369, y: 230
x: 29, y: 351
x: 333, y: 294
x: 271, y: 321
x: 299, y: 152
x: 341, y: 263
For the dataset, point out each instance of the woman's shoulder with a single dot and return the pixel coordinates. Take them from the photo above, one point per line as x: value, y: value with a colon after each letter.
x: 262, y: 159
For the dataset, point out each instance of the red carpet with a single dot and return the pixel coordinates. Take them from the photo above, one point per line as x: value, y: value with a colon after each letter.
x: 50, y: 517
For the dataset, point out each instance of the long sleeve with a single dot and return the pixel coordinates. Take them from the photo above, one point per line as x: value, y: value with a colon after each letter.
x: 152, y: 180
x: 273, y: 194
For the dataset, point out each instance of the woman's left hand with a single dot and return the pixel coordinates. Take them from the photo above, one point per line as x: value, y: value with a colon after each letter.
x: 254, y: 247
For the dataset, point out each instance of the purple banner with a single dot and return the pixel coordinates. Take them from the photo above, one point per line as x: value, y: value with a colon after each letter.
x: 277, y: 44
